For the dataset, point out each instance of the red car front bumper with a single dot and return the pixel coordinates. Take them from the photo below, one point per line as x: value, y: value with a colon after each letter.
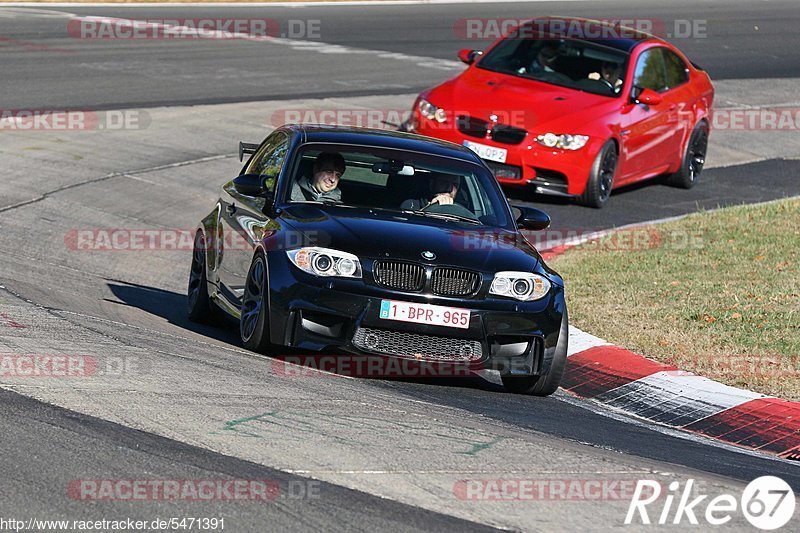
x: 547, y: 170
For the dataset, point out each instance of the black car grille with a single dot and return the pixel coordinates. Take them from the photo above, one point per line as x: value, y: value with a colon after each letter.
x: 416, y: 346
x: 454, y: 282
x: 399, y: 275
x: 501, y: 170
x: 502, y: 133
x: 474, y: 127
x: 410, y: 277
x: 508, y: 134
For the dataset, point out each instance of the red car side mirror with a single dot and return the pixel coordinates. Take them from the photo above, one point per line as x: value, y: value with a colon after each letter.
x: 649, y: 97
x: 468, y: 55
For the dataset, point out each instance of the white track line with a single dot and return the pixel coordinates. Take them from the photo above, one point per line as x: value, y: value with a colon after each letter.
x: 273, y: 4
x: 304, y: 45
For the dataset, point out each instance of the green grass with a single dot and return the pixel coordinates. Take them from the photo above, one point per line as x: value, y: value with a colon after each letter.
x: 716, y: 293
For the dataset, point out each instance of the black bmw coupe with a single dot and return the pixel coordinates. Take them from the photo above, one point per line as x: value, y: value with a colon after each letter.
x: 383, y: 243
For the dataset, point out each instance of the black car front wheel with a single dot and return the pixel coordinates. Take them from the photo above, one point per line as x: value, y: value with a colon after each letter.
x: 694, y: 159
x: 601, y: 177
x: 548, y: 383
x: 200, y: 309
x: 254, y: 320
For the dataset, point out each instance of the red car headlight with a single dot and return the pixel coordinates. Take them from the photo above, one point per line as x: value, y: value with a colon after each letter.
x: 563, y: 141
x: 431, y: 112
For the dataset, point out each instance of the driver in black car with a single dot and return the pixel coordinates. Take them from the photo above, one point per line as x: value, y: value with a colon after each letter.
x: 324, y: 182
x: 444, y: 188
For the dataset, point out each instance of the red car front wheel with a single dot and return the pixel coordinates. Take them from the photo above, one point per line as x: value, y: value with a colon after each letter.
x: 601, y: 178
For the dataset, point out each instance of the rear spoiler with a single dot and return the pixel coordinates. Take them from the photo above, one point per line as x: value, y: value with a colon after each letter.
x: 247, y: 148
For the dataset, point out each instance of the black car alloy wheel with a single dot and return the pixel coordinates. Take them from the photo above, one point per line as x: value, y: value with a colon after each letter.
x: 601, y: 178
x: 694, y: 158
x: 697, y: 153
x: 200, y: 308
x: 253, y: 323
x: 607, y: 168
x: 253, y: 300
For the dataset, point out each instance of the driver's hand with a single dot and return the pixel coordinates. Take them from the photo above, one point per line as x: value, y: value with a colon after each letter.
x: 442, y: 199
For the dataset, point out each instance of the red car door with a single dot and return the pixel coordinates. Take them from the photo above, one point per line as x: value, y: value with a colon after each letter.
x: 679, y: 100
x: 646, y: 130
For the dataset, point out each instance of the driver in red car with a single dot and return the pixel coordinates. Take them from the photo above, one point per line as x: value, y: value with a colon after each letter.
x: 609, y: 75
x: 443, y: 192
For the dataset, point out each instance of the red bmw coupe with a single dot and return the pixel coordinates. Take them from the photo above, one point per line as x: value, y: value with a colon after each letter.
x: 575, y: 116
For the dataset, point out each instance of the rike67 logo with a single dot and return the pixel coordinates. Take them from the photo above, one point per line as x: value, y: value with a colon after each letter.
x: 767, y: 503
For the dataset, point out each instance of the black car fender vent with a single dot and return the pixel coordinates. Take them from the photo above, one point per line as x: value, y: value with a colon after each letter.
x: 501, y: 170
x: 399, y: 275
x: 416, y: 346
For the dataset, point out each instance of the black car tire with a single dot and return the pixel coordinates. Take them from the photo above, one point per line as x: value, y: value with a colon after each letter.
x: 694, y: 158
x: 199, y: 305
x: 254, y: 319
x: 548, y: 383
x: 601, y: 177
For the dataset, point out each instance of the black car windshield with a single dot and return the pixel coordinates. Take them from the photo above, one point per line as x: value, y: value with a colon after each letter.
x: 569, y: 63
x: 439, y: 188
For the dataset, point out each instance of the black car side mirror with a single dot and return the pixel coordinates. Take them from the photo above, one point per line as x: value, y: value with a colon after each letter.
x: 251, y: 184
x: 531, y: 218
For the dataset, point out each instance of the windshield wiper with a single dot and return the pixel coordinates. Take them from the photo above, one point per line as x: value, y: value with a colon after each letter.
x: 447, y: 216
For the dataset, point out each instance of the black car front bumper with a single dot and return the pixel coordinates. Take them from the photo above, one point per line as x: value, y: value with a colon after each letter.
x: 318, y: 314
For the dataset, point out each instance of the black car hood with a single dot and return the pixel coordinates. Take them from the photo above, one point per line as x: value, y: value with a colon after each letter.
x: 393, y: 235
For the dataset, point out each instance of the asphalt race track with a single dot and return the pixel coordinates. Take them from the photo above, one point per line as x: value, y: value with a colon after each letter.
x: 70, y: 72
x: 176, y: 401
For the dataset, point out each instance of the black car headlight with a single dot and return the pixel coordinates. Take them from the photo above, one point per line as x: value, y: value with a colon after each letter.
x: 325, y: 262
x: 524, y: 286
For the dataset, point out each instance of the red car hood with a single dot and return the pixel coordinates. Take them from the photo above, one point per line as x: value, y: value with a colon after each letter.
x: 523, y: 103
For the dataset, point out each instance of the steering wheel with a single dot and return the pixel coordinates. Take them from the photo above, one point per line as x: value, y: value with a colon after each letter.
x: 450, y: 209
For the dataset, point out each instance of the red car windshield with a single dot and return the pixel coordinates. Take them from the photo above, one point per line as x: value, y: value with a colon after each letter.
x: 569, y: 63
